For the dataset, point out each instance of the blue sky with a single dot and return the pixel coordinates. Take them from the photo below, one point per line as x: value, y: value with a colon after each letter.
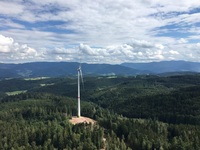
x: 110, y: 31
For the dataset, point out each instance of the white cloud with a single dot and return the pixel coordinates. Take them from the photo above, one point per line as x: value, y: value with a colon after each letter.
x: 159, y: 46
x: 5, y: 44
x: 10, y: 8
x: 173, y: 52
x: 175, y: 6
x: 5, y: 40
x: 11, y: 50
x: 182, y: 40
x: 115, y: 31
x: 135, y: 51
x: 10, y: 23
x: 85, y: 49
x: 64, y: 51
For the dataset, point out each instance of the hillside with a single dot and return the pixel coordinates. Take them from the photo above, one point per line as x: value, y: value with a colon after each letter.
x: 37, y: 117
x: 63, y: 69
x: 172, y: 99
x: 59, y: 69
x: 165, y: 66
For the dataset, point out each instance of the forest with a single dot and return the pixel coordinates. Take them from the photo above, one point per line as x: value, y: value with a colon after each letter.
x: 143, y: 112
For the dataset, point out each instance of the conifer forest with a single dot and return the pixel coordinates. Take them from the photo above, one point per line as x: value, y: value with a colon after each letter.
x: 144, y: 112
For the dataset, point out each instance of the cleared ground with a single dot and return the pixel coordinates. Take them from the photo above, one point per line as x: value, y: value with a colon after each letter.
x: 77, y: 120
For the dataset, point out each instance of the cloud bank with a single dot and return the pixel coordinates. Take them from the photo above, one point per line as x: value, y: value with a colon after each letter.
x: 134, y: 51
x: 99, y: 31
x: 13, y: 51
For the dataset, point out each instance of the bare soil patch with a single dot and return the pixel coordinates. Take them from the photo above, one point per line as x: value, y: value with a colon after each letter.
x: 77, y: 120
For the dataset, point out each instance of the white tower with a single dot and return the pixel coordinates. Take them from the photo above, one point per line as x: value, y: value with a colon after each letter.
x: 79, y: 92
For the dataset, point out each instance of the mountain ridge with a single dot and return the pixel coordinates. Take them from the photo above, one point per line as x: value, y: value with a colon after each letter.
x: 166, y: 66
x: 58, y: 69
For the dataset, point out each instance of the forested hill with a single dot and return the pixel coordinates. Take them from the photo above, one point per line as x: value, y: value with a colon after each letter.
x: 172, y: 99
x: 41, y: 122
x: 59, y: 69
x: 144, y: 112
x: 165, y: 66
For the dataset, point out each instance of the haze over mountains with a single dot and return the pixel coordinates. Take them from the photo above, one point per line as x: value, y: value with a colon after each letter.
x: 57, y: 69
x: 166, y: 66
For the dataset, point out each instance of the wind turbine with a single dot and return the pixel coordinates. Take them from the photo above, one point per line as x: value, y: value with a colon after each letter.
x: 80, y: 76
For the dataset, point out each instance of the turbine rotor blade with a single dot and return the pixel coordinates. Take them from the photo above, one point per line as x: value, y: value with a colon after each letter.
x: 82, y: 78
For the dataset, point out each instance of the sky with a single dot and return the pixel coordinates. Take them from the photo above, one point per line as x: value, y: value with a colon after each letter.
x: 99, y: 31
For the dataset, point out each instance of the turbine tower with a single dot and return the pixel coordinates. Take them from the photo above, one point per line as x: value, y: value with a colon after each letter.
x: 79, y: 92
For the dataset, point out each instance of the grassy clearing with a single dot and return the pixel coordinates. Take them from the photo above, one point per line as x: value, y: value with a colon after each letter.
x: 47, y: 84
x: 38, y: 78
x: 111, y: 77
x: 15, y: 92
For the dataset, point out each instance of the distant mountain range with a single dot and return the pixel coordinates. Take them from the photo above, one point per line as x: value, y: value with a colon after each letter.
x: 165, y: 66
x: 57, y: 69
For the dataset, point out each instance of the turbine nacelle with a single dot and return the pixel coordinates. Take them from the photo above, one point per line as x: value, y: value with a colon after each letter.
x: 79, y: 68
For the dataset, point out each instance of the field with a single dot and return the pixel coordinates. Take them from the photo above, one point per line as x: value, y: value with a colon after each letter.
x: 15, y: 92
